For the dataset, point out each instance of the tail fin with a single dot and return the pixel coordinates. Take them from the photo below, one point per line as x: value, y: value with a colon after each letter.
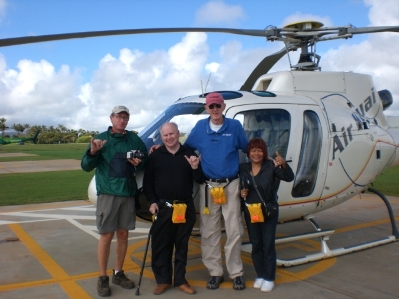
x: 34, y: 139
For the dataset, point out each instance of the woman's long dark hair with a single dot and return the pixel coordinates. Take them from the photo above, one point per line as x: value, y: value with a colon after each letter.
x: 257, y: 142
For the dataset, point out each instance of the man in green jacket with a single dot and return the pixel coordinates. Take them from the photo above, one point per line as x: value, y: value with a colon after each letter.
x: 115, y: 154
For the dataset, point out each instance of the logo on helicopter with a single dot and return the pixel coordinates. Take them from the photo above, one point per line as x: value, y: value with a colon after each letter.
x: 361, y: 122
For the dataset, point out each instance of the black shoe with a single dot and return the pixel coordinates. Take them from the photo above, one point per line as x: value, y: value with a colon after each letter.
x: 103, y: 289
x: 214, y: 282
x: 238, y: 283
x: 121, y: 279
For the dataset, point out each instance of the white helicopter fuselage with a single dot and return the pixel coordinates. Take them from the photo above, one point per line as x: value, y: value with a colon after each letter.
x: 330, y: 126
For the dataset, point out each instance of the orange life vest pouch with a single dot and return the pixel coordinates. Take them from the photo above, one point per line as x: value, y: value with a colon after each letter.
x: 255, y: 212
x: 218, y: 195
x: 179, y: 213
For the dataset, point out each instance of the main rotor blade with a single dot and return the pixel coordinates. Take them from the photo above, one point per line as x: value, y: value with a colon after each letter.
x: 263, y: 67
x: 362, y: 30
x: 52, y: 37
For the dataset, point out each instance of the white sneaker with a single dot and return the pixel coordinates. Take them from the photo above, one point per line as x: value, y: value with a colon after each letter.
x: 258, y: 283
x: 267, y: 286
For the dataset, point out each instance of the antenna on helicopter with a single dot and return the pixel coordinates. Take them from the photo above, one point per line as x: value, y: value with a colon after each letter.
x: 208, y: 81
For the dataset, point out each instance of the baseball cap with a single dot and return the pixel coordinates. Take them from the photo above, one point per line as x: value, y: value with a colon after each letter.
x: 119, y: 109
x: 214, y: 98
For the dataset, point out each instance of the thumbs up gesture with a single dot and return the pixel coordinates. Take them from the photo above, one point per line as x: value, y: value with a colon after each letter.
x: 279, y: 160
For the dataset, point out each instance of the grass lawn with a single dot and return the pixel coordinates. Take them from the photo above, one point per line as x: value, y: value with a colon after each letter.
x: 44, y: 151
x: 40, y: 187
x: 387, y: 182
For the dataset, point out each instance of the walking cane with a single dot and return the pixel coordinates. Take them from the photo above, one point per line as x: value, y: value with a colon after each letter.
x: 145, y: 255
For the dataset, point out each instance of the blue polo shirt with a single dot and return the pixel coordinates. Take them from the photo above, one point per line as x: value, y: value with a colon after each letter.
x: 218, y: 150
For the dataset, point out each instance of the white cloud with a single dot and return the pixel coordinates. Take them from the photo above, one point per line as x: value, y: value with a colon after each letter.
x: 145, y: 82
x: 383, y: 12
x: 377, y: 56
x: 3, y: 8
x: 216, y: 12
x: 38, y: 84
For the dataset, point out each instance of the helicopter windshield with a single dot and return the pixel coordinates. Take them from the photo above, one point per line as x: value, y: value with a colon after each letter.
x: 185, y: 115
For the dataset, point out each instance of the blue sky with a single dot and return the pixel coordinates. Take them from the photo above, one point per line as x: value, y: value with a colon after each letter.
x: 77, y: 82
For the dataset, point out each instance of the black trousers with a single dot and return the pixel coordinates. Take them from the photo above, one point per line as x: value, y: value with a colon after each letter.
x: 166, y: 236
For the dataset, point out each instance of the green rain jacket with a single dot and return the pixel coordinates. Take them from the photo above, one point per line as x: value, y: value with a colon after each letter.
x: 114, y: 174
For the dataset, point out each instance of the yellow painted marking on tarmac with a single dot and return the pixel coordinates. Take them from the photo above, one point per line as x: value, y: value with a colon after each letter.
x: 132, y: 266
x: 71, y: 288
x: 284, y: 276
x: 364, y: 225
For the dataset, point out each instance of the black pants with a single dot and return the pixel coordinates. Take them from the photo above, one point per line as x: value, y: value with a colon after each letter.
x: 263, y: 238
x: 165, y: 236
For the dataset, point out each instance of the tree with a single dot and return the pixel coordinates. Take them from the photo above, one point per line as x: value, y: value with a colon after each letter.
x: 19, y: 127
x: 3, y: 126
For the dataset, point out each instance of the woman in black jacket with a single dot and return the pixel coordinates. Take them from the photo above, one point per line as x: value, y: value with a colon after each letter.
x: 260, y: 179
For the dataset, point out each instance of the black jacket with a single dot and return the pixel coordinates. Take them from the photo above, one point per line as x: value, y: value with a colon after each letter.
x: 169, y: 176
x: 266, y: 180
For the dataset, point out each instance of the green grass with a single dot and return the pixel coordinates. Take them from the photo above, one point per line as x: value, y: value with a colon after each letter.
x: 41, y: 187
x: 387, y: 183
x: 44, y: 151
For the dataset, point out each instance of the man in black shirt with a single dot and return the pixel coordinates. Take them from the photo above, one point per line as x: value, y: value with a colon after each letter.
x: 168, y: 178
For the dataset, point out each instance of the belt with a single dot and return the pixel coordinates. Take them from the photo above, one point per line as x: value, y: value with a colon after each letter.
x: 222, y: 180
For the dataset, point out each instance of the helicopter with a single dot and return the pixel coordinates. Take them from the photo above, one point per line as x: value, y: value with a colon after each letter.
x: 329, y: 126
x: 21, y: 140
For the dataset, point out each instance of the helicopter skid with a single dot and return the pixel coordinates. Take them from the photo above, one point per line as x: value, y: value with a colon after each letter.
x: 325, y: 251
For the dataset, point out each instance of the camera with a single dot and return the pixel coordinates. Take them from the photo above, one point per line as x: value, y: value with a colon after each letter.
x: 135, y: 154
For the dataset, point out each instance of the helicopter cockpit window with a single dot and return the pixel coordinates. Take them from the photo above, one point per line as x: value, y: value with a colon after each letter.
x: 305, y: 178
x: 185, y: 115
x: 272, y: 125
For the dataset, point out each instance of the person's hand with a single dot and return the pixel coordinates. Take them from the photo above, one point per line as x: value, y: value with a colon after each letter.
x: 134, y: 161
x: 154, y: 209
x: 193, y: 160
x: 96, y: 145
x: 154, y: 147
x: 244, y: 193
x: 279, y: 160
x: 274, y: 161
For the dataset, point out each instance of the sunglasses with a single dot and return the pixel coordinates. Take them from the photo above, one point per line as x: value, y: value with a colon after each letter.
x: 211, y: 106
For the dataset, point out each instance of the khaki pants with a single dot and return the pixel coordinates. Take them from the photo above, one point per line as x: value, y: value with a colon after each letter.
x: 210, y: 229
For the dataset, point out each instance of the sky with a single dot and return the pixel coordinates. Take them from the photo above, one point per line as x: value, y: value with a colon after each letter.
x: 77, y: 82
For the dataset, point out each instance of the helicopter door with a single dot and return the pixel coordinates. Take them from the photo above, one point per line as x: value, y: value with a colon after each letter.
x: 297, y: 134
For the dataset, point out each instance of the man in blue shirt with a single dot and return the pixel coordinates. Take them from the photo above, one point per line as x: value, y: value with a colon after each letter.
x: 218, y: 140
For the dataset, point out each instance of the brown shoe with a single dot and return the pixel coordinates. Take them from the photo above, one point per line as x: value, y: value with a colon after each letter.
x: 186, y: 289
x: 161, y: 288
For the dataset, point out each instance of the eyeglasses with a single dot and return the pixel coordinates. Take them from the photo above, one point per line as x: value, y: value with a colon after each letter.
x: 211, y: 106
x: 125, y: 118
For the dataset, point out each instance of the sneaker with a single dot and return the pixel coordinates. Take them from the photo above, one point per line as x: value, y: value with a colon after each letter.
x: 238, y: 283
x: 258, y: 283
x: 121, y: 279
x: 267, y: 286
x: 103, y: 289
x: 214, y: 282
